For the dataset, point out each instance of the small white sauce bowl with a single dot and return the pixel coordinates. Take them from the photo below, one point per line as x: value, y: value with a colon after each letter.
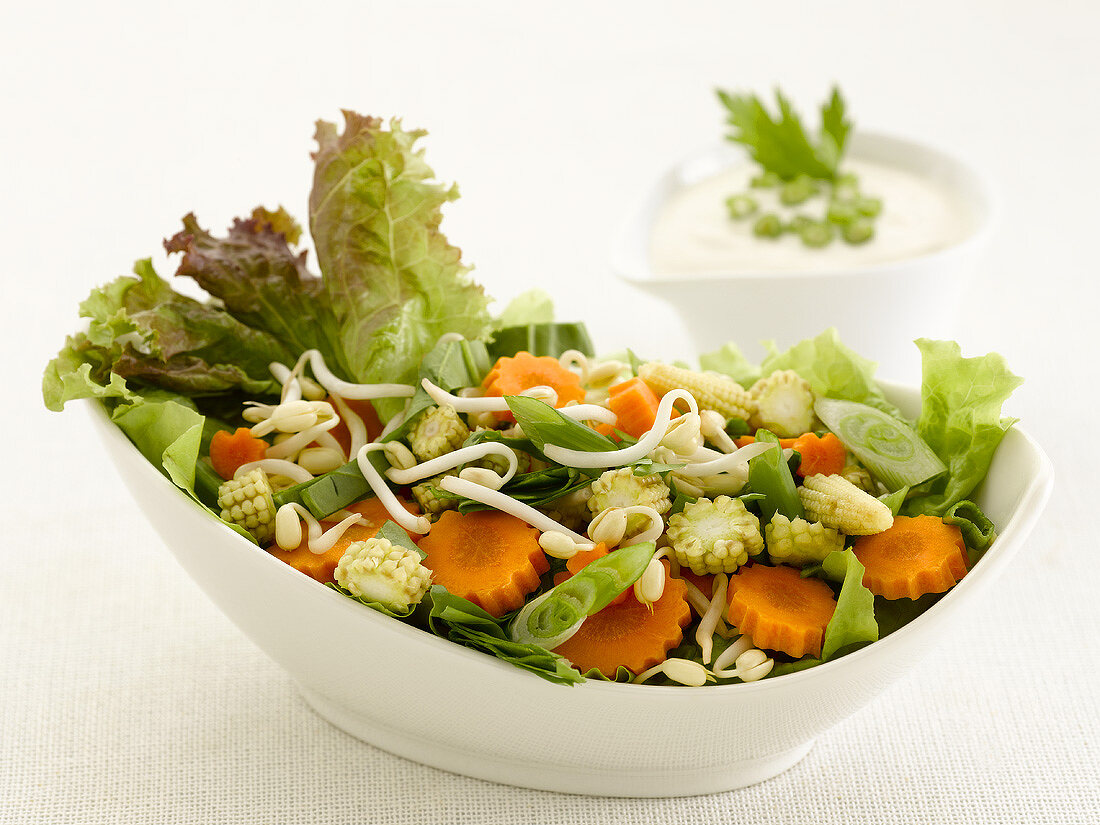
x: 878, y: 308
x: 432, y: 701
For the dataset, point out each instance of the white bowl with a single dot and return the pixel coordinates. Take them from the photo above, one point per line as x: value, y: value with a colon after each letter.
x: 878, y: 308
x: 427, y: 699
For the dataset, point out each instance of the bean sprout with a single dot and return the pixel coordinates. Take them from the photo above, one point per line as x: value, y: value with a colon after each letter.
x: 704, y: 634
x: 727, y: 462
x: 618, y: 458
x: 448, y: 461
x: 492, y: 403
x: 288, y: 528
x: 730, y: 654
x: 560, y: 546
x: 713, y: 427
x: 276, y: 467
x: 357, y: 430
x: 346, y: 389
x: 684, y: 671
x: 299, y: 440
x: 507, y: 504
x: 589, y: 412
x: 652, y: 531
x: 414, y: 524
x: 699, y: 603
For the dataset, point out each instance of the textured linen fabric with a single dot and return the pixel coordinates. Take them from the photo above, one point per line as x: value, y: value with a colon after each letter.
x: 127, y: 697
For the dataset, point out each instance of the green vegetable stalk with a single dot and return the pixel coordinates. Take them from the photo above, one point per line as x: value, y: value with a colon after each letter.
x: 557, y: 614
x: 770, y: 475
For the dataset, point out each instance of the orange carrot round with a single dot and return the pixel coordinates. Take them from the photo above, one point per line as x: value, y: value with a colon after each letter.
x: 322, y: 566
x: 917, y: 555
x: 635, y: 404
x: 489, y: 557
x: 825, y: 455
x: 511, y: 376
x: 779, y: 609
x: 228, y: 451
x: 746, y: 440
x: 629, y: 634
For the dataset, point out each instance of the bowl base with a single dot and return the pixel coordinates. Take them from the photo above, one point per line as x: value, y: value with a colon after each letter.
x: 548, y: 776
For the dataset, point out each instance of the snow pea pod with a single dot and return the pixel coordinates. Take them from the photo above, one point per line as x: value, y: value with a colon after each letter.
x: 770, y: 475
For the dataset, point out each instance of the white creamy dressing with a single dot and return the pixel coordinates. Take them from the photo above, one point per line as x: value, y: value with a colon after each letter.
x: 693, y: 234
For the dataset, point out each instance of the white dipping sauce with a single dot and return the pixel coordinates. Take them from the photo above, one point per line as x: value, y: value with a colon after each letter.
x: 693, y: 234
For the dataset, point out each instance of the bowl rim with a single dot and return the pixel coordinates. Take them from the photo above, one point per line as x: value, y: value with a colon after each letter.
x: 1027, y: 511
x: 623, y: 252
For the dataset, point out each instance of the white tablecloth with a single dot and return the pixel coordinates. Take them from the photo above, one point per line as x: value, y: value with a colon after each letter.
x: 126, y: 697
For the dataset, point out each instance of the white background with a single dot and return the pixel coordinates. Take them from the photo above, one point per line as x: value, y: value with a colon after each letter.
x: 126, y: 697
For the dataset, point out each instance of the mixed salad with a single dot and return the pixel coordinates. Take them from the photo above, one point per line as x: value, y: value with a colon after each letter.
x: 490, y: 480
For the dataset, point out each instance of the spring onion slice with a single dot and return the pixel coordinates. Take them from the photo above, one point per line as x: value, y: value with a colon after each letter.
x: 887, y: 447
x: 557, y: 614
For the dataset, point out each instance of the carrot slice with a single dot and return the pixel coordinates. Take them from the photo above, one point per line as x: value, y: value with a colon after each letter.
x: 779, y: 609
x: 629, y: 634
x: 511, y: 376
x: 228, y: 451
x: 635, y: 404
x: 322, y: 566
x: 489, y: 557
x: 825, y: 455
x: 917, y: 555
x: 746, y: 440
x: 363, y: 409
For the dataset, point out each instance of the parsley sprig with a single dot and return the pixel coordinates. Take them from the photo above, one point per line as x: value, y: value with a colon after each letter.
x: 780, y: 144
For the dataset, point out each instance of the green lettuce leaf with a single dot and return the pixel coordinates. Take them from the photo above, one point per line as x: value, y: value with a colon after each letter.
x: 140, y: 328
x: 394, y: 283
x: 960, y: 419
x: 729, y: 360
x: 462, y: 621
x: 833, y: 370
x: 853, y: 622
x: 535, y: 306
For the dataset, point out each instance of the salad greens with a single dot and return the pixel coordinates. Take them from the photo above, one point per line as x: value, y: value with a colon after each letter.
x: 393, y: 305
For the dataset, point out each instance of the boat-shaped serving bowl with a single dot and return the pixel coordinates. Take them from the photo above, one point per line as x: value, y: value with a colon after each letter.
x: 432, y: 701
x: 878, y: 308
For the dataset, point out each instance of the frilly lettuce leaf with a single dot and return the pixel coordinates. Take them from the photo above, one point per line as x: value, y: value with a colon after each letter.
x: 462, y: 621
x: 394, y: 282
x: 960, y: 419
x: 139, y: 328
x: 833, y: 370
x: 261, y: 281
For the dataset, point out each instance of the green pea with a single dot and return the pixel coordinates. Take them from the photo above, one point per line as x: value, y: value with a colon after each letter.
x: 800, y: 222
x: 841, y: 212
x: 768, y: 226
x: 869, y: 207
x: 765, y: 180
x: 860, y: 230
x: 797, y: 191
x: 817, y: 234
x: 741, y: 206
